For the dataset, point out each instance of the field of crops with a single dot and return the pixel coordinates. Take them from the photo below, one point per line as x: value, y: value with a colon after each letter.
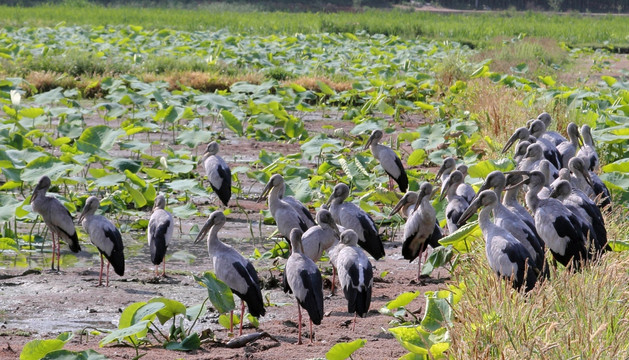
x: 124, y: 112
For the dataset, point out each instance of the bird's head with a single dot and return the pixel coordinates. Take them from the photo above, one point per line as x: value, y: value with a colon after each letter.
x: 42, y: 186
x: 521, y: 134
x: 339, y: 194
x: 274, y: 181
x: 217, y: 218
x: 448, y: 164
x: 577, y: 167
x: 485, y: 198
x: 349, y: 238
x: 91, y: 205
x: 159, y: 203
x: 374, y: 138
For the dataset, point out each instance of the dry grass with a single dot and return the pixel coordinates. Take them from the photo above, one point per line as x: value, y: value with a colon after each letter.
x: 311, y: 82
x: 573, y: 315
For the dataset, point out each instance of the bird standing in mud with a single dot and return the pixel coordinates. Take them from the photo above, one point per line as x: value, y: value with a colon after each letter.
x: 105, y: 236
x: 217, y: 172
x: 388, y: 159
x: 159, y: 233
x: 56, y: 217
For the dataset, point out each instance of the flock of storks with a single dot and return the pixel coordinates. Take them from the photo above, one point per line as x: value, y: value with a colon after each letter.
x: 563, y: 194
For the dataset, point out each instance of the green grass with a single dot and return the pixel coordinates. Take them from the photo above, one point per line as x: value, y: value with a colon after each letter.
x: 478, y: 29
x: 581, y: 315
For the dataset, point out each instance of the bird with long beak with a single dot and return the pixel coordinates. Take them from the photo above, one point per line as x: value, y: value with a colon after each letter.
x: 217, y: 172
x: 159, y: 233
x: 447, y: 167
x: 350, y: 216
x: 551, y: 136
x: 421, y: 228
x: 521, y: 134
x: 233, y: 269
x: 56, y: 217
x: 276, y: 181
x: 589, y: 183
x: 506, y: 256
x: 568, y: 149
x: 286, y: 216
x: 105, y: 236
x: 538, y: 129
x: 587, y: 151
x: 388, y: 159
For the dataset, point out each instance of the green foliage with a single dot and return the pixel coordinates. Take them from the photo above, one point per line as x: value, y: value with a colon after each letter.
x: 52, y: 349
x: 218, y: 292
x: 342, y: 351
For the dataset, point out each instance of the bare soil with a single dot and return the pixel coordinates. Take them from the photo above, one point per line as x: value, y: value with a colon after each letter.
x: 40, y: 304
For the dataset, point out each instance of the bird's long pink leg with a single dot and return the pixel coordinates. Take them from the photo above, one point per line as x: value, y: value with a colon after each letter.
x: 311, y: 332
x: 242, y: 315
x: 58, y: 253
x: 107, y: 273
x: 164, y: 270
x: 299, y: 312
x: 231, y: 321
x: 100, y: 275
x: 333, y: 279
x: 390, y: 184
x: 53, y: 250
x: 354, y: 323
x: 419, y: 265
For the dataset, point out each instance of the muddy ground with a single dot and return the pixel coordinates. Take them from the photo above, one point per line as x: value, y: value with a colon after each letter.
x: 37, y: 303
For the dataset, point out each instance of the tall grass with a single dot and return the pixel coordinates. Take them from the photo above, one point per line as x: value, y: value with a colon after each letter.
x: 576, y: 30
x: 582, y: 315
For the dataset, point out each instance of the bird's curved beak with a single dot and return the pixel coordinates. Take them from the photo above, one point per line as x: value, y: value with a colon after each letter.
x: 485, y: 186
x: 471, y: 210
x: 327, y: 203
x: 553, y: 192
x: 265, y: 192
x: 35, y: 193
x: 420, y: 197
x: 445, y: 189
x: 82, y: 216
x: 335, y: 228
x: 510, y: 142
x: 588, y: 178
x: 580, y: 140
x: 400, y: 204
x: 526, y: 179
x: 369, y: 141
x: 441, y: 170
x: 205, y: 155
x: 206, y: 227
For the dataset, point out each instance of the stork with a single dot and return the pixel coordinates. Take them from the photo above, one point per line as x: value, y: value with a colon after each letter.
x: 56, y: 217
x: 537, y: 129
x: 421, y: 228
x: 456, y: 203
x: 510, y: 199
x: 350, y: 216
x: 159, y: 233
x: 551, y: 136
x: 521, y: 230
x: 388, y: 159
x: 588, y: 152
x: 303, y: 279
x: 277, y: 181
x: 285, y: 215
x: 447, y: 167
x: 521, y: 134
x: 320, y: 237
x: 576, y: 201
x: 507, y: 257
x: 520, y: 151
x: 105, y: 236
x: 561, y: 230
x: 233, y: 269
x: 355, y: 275
x: 568, y: 149
x: 589, y: 182
x: 217, y: 172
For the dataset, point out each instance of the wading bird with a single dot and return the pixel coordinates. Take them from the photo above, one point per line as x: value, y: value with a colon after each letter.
x: 350, y: 216
x: 538, y: 129
x: 56, y: 217
x: 233, y: 269
x: 589, y: 183
x: 421, y: 228
x: 588, y: 152
x: 568, y: 149
x: 388, y: 159
x: 320, y: 237
x: 277, y: 182
x: 551, y: 136
x: 355, y: 275
x: 507, y: 257
x: 510, y: 200
x: 303, y: 279
x: 159, y: 233
x: 563, y: 232
x: 456, y: 203
x: 105, y: 236
x: 447, y: 167
x: 465, y: 190
x: 217, y: 172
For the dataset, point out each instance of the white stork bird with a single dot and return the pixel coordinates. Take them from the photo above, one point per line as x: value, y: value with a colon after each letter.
x: 538, y: 129
x: 521, y: 230
x: 589, y: 182
x: 507, y: 257
x: 56, y: 217
x: 159, y: 233
x: 421, y: 228
x: 568, y: 149
x: 277, y: 181
x: 217, y: 172
x: 233, y: 269
x: 105, y: 236
x: 355, y: 275
x: 286, y: 216
x: 576, y: 201
x: 350, y: 216
x: 456, y: 203
x: 563, y: 232
x: 551, y: 136
x: 388, y: 159
x: 303, y: 279
x: 588, y: 152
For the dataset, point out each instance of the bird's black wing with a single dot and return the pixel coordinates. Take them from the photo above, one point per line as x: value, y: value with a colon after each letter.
x: 373, y: 242
x: 313, y: 303
x: 116, y: 258
x: 253, y: 296
x: 158, y: 242
x: 225, y: 191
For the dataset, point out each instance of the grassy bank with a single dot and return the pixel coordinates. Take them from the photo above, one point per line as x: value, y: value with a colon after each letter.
x: 478, y: 29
